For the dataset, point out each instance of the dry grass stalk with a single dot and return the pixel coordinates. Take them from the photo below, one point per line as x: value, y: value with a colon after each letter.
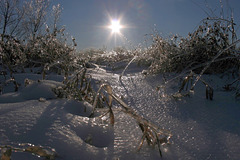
x: 127, y: 67
x: 188, y: 80
x: 39, y: 151
x: 151, y: 132
x: 6, y: 151
x: 78, y: 87
x: 108, y: 89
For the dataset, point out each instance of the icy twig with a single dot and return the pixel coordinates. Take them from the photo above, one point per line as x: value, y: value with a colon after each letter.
x: 127, y: 67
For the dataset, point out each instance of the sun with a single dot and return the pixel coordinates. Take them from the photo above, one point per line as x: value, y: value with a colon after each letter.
x: 115, y: 26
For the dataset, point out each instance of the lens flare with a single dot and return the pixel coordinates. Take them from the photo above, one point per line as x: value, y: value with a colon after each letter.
x: 115, y: 26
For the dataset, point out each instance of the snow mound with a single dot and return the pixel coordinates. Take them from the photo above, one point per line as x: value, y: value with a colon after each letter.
x: 34, y: 91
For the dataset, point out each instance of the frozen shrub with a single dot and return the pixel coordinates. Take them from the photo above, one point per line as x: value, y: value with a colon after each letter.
x: 101, y: 56
x: 121, y: 54
x: 162, y: 52
x: 205, y: 43
x: 196, y: 50
x: 48, y: 48
x: 35, y: 47
x: 93, y: 54
x: 12, y: 54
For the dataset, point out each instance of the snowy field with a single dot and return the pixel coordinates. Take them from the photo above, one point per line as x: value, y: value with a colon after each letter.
x: 201, y: 129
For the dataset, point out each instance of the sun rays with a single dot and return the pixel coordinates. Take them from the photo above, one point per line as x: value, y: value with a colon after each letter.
x: 115, y: 26
x: 118, y: 28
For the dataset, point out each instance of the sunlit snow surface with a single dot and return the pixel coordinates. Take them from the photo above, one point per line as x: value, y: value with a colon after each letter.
x: 201, y: 129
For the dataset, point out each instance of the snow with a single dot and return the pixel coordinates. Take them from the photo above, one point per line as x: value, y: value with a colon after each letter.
x: 201, y: 129
x: 34, y: 91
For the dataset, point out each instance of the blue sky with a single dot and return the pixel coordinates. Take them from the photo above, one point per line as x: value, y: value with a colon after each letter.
x: 86, y: 20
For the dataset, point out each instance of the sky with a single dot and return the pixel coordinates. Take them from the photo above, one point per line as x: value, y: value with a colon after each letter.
x: 88, y: 20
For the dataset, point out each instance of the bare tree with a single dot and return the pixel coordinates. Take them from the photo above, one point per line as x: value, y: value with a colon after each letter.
x: 56, y: 13
x: 35, y: 18
x: 11, y: 15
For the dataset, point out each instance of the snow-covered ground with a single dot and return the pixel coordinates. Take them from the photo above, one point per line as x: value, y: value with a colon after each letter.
x: 201, y: 129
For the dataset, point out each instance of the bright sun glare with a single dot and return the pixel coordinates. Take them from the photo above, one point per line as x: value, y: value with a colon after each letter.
x: 115, y: 26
